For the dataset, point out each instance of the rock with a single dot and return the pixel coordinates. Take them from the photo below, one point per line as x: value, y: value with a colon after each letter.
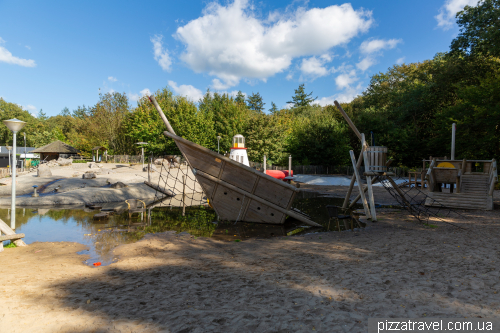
x: 43, y: 171
x: 88, y: 175
x: 118, y: 185
x: 76, y: 174
x: 153, y: 169
x: 105, y: 171
x: 93, y: 165
x: 64, y: 161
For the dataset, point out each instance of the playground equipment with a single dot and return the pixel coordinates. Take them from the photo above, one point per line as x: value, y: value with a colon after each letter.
x: 472, y: 183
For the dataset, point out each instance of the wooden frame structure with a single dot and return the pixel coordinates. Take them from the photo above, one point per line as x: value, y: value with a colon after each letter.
x: 9, y: 234
x: 474, y: 189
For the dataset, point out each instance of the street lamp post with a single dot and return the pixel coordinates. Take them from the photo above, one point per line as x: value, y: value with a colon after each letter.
x: 24, y: 162
x: 218, y: 140
x: 142, y: 146
x: 15, y: 125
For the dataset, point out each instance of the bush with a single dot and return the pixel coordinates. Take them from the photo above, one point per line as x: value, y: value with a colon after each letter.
x: 79, y: 161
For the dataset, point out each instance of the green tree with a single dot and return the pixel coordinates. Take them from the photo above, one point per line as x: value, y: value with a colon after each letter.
x: 144, y: 124
x: 265, y: 135
x: 273, y: 108
x: 479, y: 29
x: 240, y: 98
x: 301, y: 98
x: 229, y: 118
x: 255, y: 103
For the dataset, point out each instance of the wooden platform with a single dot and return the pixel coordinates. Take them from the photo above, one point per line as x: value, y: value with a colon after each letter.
x: 474, y: 190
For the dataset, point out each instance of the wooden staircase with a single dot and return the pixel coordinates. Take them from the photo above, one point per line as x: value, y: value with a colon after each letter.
x: 475, y: 189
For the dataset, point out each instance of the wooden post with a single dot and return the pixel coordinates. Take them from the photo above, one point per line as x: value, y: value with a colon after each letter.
x: 8, y: 231
x: 370, y: 189
x: 453, y: 130
x: 183, y: 195
x: 149, y: 170
x: 363, y: 198
x: 162, y: 115
x: 351, y: 185
x: 346, y: 117
x: 265, y: 163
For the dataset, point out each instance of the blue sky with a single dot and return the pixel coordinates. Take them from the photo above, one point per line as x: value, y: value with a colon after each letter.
x: 59, y: 54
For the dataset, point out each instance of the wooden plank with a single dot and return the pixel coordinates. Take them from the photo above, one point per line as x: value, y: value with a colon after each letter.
x: 349, y: 121
x: 163, y: 190
x: 204, y: 162
x: 358, y: 178
x: 353, y: 180
x: 230, y: 203
x: 373, y: 212
x: 208, y: 187
x: 239, y: 177
x: 263, y: 214
x: 260, y: 200
x: 272, y: 192
x: 11, y: 237
x: 8, y: 231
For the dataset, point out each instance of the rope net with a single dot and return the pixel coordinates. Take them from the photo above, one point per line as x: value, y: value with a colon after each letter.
x: 175, y: 183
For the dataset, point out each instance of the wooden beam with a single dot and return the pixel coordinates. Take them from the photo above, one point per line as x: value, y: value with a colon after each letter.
x: 373, y: 212
x: 258, y: 199
x: 167, y: 192
x: 349, y: 121
x: 351, y: 185
x: 11, y: 237
x: 358, y: 178
x: 162, y: 115
x: 8, y: 231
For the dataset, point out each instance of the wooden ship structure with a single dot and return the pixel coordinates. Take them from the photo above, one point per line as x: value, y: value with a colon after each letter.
x: 472, y: 183
x: 236, y: 191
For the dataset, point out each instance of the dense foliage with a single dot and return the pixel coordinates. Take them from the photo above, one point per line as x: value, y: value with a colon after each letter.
x: 409, y: 108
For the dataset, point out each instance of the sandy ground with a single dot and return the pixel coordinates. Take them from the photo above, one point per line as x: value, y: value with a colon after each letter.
x: 77, y: 191
x: 325, y: 282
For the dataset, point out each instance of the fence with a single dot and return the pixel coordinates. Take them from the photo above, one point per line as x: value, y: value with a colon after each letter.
x: 126, y: 158
x: 325, y: 169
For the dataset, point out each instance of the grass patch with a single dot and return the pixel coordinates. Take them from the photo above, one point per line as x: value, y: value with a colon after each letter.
x: 80, y: 161
x: 430, y: 225
x: 10, y: 245
x: 237, y: 240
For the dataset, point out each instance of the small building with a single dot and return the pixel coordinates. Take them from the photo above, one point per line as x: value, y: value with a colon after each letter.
x: 4, y: 155
x: 56, y: 149
x: 96, y: 157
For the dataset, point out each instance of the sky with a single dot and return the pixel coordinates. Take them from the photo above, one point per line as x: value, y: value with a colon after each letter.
x: 61, y: 54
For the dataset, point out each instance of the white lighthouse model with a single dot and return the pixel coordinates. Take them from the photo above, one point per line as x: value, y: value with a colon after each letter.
x: 238, y: 150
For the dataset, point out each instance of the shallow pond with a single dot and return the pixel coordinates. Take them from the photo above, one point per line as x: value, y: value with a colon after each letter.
x: 102, y: 236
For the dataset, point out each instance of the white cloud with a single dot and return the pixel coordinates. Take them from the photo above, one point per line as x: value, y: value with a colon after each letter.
x: 344, y: 97
x: 400, y: 60
x: 142, y: 93
x: 111, y: 91
x: 28, y: 47
x: 376, y: 45
x: 186, y: 90
x: 161, y: 55
x: 112, y: 79
x: 447, y: 12
x: 231, y: 42
x: 345, y: 80
x: 30, y: 107
x: 6, y: 56
x: 366, y: 63
x: 145, y: 92
x: 315, y: 66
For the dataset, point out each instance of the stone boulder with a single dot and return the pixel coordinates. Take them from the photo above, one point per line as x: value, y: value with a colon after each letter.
x: 88, y: 175
x: 118, y: 185
x: 43, y: 171
x: 64, y: 161
x: 104, y: 171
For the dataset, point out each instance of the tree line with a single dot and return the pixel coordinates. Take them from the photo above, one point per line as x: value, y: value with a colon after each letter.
x: 409, y: 108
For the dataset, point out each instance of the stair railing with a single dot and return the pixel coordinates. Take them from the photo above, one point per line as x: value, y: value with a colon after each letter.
x: 493, y: 177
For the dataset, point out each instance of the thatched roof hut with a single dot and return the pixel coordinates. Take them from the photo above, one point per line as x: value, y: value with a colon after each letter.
x: 56, y: 149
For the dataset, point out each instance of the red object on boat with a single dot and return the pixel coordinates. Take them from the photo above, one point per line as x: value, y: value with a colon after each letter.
x: 278, y: 174
x: 97, y: 264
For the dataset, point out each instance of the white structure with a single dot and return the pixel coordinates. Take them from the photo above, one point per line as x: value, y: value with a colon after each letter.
x: 238, y: 151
